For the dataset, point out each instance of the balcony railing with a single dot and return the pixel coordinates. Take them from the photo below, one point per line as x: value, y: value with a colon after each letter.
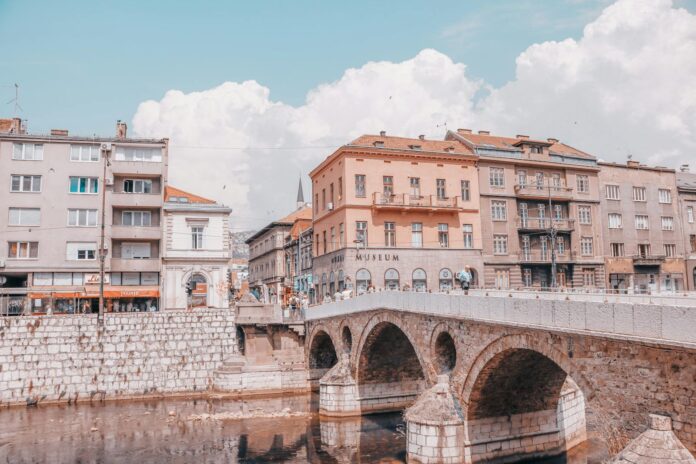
x: 648, y: 260
x: 536, y: 223
x: 135, y: 265
x: 404, y: 200
x: 532, y: 190
x: 143, y: 200
x: 136, y: 232
x: 540, y: 256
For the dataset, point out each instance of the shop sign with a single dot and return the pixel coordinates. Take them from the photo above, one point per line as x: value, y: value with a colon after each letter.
x: 93, y: 279
x: 376, y: 257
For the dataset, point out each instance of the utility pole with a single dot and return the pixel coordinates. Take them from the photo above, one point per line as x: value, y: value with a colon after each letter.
x: 106, y: 153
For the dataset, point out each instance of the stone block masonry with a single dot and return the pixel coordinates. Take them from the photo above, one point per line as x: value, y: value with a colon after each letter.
x: 72, y: 358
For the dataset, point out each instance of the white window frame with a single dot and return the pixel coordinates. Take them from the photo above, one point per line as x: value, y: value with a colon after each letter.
x: 85, y: 153
x: 360, y: 185
x: 670, y: 250
x: 389, y: 234
x: 137, y: 218
x: 667, y: 222
x: 23, y: 153
x: 361, y: 233
x: 583, y: 183
x: 690, y: 214
x: 197, y: 237
x: 22, y: 216
x: 33, y: 181
x: 90, y: 217
x: 612, y: 191
x: 443, y: 235
x: 466, y: 190
x: 27, y: 245
x: 468, y: 236
x: 81, y: 251
x: 496, y: 177
x: 142, y: 154
x: 586, y: 246
x: 138, y: 250
x: 584, y: 214
x: 617, y: 249
x: 642, y: 219
x: 615, y: 221
x: 664, y: 196
x: 138, y: 186
x: 417, y: 235
x: 639, y: 194
x: 499, y: 210
x: 500, y: 244
x: 90, y: 182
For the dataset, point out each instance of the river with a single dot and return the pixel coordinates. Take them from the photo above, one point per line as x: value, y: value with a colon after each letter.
x: 182, y: 431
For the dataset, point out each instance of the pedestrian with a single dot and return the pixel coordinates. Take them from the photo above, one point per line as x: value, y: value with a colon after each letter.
x: 464, y: 277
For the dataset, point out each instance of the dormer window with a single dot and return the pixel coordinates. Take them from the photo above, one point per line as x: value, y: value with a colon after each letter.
x: 378, y: 144
x: 414, y: 147
x: 536, y: 149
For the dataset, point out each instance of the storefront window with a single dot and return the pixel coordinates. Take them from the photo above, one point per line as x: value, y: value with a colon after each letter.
x: 420, y: 282
x: 363, y: 280
x: 446, y: 280
x: 391, y: 279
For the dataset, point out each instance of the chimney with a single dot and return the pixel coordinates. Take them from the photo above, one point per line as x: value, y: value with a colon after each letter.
x: 382, y: 133
x: 421, y: 137
x: 522, y: 137
x: 684, y: 168
x: 552, y: 140
x: 632, y: 163
x: 121, y: 129
x: 59, y: 132
x: 484, y: 132
x: 464, y: 131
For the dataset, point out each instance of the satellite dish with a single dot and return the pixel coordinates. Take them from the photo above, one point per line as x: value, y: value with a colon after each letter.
x: 3, y: 280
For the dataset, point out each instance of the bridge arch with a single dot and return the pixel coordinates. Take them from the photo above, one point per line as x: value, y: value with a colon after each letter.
x: 321, y: 352
x: 521, y: 385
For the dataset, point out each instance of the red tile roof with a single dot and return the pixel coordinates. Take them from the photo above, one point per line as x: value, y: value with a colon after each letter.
x: 404, y: 143
x: 175, y: 192
x: 302, y: 213
x: 508, y: 143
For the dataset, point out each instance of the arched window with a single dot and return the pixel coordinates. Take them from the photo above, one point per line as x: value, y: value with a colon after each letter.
x: 332, y: 283
x: 391, y: 279
x: 363, y: 279
x: 420, y: 280
x: 341, y: 281
x: 446, y: 280
x: 199, y: 292
x: 474, y: 277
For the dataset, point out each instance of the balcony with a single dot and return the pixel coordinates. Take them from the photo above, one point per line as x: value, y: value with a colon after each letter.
x: 648, y: 260
x: 135, y: 232
x: 135, y: 265
x: 534, y: 192
x: 142, y: 168
x: 541, y: 257
x: 536, y: 224
x: 403, y: 201
x: 136, y: 200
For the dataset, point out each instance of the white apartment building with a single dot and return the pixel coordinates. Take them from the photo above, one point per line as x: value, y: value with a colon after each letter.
x: 197, y: 251
x: 51, y: 188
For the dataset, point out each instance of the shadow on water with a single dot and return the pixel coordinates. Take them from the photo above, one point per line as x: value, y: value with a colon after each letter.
x: 165, y: 431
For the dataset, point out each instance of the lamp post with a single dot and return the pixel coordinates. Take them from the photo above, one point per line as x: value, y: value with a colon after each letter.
x: 106, y: 154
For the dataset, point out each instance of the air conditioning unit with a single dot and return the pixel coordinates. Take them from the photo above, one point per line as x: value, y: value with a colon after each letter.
x: 330, y: 206
x: 108, y: 181
x: 106, y: 146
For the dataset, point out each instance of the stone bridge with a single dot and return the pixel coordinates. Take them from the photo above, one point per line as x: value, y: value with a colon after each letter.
x: 501, y: 378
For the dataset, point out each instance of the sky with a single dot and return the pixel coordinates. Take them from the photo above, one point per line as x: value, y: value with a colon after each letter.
x: 253, y: 95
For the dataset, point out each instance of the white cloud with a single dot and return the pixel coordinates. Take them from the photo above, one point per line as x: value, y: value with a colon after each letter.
x: 626, y: 86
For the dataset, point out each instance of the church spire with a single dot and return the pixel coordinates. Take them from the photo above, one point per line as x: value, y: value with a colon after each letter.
x: 300, y: 195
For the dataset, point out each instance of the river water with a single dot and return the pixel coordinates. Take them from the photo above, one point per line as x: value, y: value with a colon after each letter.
x: 172, y: 431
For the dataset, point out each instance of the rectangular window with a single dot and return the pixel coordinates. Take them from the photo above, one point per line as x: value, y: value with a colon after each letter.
x: 670, y: 250
x: 586, y: 248
x: 499, y: 210
x: 340, y: 188
x: 522, y: 178
x: 443, y: 235
x: 614, y: 221
x: 23, y: 250
x: 638, y: 193
x: 27, y: 151
x: 86, y: 185
x: 539, y: 180
x: 588, y: 277
x: 583, y: 183
x: 331, y: 193
x: 665, y: 195
x: 414, y: 184
x: 617, y: 249
x: 360, y: 185
x: 585, y: 214
x: 137, y: 186
x: 136, y: 218
x: 613, y: 192
x: 25, y: 216
x: 502, y: 278
x: 667, y: 223
x: 135, y: 250
x: 24, y: 183
x: 82, y: 217
x: 644, y: 250
x: 440, y: 189
x: 197, y: 237
x: 316, y: 203
x: 387, y: 186
x: 466, y: 190
x: 389, y: 234
x: 323, y: 199
x: 323, y: 236
x: 333, y: 238
x: 81, y: 251
x: 147, y: 154
x: 692, y: 242
x: 361, y: 233
x: 88, y: 153
x: 558, y: 211
x: 690, y: 214
x: 341, y: 234
x: 468, y: 230
x: 417, y: 235
x: 556, y: 180
x: 641, y: 222
x: 496, y: 177
x: 561, y: 245
x: 500, y: 244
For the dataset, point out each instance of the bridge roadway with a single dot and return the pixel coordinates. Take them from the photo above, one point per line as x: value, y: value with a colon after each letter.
x: 498, y: 376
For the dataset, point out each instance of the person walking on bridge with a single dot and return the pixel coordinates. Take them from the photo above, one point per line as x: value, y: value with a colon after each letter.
x: 464, y: 277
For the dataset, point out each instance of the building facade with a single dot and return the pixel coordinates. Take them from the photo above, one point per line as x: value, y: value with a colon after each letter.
x: 196, y: 251
x: 686, y: 188
x: 392, y: 212
x: 52, y: 191
x: 539, y: 203
x: 642, y: 228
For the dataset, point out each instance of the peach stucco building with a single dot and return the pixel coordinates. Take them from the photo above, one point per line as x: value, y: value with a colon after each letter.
x: 395, y: 212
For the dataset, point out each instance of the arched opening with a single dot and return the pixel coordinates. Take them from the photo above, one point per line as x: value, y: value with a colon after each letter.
x: 520, y: 392
x: 445, y: 353
x: 446, y: 280
x: 391, y: 279
x: 199, y: 290
x: 474, y: 277
x: 363, y: 280
x: 419, y: 280
x: 346, y: 340
x: 322, y: 355
x: 241, y: 341
x: 389, y: 374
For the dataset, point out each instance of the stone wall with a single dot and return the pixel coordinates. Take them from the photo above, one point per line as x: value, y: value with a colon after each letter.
x: 73, y: 358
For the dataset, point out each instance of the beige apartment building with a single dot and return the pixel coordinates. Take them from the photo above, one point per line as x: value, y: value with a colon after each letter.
x: 395, y: 213
x: 643, y: 234
x: 51, y: 189
x: 686, y: 188
x: 539, y: 203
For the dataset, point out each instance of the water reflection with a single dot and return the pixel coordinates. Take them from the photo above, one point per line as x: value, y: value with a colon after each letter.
x: 163, y: 432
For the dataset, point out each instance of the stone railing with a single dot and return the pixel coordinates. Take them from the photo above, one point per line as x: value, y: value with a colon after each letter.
x: 656, y: 321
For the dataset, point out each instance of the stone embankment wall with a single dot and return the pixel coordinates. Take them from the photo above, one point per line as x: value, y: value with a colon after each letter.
x: 73, y: 358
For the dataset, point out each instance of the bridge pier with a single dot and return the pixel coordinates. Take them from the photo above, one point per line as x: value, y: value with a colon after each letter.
x: 338, y: 391
x: 341, y: 438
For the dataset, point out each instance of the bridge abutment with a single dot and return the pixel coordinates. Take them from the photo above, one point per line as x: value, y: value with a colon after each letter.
x: 338, y: 391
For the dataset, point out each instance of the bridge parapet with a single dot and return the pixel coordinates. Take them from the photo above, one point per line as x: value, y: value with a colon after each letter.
x: 659, y: 323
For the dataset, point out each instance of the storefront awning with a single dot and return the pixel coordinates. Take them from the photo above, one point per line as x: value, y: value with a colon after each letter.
x: 58, y: 295
x: 111, y: 291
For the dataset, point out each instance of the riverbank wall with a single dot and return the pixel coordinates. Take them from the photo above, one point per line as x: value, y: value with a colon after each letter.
x: 74, y: 358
